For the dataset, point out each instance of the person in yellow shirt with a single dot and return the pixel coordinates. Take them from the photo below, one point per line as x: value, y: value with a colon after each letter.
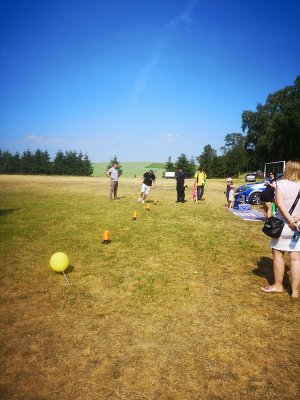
x: 200, y: 178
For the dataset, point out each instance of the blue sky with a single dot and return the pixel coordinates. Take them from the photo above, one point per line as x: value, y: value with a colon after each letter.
x: 140, y: 79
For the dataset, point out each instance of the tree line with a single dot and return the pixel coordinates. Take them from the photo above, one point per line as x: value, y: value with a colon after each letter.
x: 271, y: 133
x: 40, y: 163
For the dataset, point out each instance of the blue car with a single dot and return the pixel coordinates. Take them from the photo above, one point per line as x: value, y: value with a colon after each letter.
x: 250, y: 193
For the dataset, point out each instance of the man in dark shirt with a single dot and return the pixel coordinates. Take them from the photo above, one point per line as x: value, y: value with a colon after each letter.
x: 148, y: 181
x: 180, y: 185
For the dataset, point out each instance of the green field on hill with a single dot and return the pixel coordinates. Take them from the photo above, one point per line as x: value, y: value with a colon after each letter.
x: 132, y: 169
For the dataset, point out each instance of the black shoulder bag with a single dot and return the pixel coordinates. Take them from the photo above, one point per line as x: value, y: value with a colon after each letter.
x: 273, y: 226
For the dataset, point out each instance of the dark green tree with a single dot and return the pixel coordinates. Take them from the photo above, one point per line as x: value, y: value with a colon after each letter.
x: 87, y: 168
x: 27, y: 162
x: 71, y: 163
x: 16, y: 167
x: 169, y: 166
x: 58, y: 163
x: 235, y: 154
x: 188, y: 165
x: 273, y: 130
x: 6, y: 161
x: 41, y: 162
x: 207, y: 160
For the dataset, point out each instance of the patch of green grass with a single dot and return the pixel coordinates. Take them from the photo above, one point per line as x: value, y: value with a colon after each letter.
x: 156, y: 165
x: 131, y: 169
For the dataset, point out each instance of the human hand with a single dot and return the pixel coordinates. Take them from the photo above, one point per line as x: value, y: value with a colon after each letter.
x: 294, y: 225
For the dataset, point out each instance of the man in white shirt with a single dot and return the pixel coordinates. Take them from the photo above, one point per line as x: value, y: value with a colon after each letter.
x: 113, y: 174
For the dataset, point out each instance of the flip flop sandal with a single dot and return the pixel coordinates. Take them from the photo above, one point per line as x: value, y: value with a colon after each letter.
x: 270, y: 289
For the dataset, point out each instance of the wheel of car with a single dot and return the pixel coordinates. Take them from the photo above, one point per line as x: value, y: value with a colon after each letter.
x: 255, y: 198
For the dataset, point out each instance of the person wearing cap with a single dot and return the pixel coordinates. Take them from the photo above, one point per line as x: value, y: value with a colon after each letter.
x: 148, y: 181
x: 180, y: 185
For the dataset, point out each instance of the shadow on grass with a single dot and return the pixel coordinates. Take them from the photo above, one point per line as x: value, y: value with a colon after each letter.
x: 8, y: 211
x: 265, y: 269
x: 68, y: 270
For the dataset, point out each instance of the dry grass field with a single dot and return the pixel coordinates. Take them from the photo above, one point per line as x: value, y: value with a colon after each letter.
x: 171, y: 309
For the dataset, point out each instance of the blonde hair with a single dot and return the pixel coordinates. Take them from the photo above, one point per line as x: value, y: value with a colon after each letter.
x: 292, y: 170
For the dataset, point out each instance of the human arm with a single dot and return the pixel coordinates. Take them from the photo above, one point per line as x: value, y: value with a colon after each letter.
x: 292, y: 222
x: 153, y: 181
x: 272, y: 184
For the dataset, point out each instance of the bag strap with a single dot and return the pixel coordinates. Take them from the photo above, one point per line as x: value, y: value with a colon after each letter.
x: 295, y: 203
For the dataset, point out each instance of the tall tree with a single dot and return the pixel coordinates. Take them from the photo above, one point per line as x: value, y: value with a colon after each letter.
x: 40, y: 162
x: 27, y: 162
x: 87, y: 169
x: 58, y: 163
x: 207, y: 160
x: 235, y: 155
x: 169, y: 166
x: 273, y: 130
x: 188, y: 165
x: 6, y: 162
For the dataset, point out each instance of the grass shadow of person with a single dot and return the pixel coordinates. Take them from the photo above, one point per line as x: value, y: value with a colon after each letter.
x: 265, y: 269
x: 7, y: 211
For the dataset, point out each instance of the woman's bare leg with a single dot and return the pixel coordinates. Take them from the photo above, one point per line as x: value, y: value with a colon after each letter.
x: 295, y: 273
x: 278, y: 268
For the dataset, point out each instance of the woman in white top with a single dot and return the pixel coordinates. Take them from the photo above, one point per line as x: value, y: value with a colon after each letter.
x: 285, y: 195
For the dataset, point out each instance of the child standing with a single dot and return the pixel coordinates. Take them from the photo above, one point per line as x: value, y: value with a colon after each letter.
x: 229, y: 182
x: 231, y: 196
x: 195, y: 192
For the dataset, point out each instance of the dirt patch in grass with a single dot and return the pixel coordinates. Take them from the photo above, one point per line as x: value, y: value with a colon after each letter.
x: 170, y: 309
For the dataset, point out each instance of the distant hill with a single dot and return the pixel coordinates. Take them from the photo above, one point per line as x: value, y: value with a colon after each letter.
x: 132, y: 169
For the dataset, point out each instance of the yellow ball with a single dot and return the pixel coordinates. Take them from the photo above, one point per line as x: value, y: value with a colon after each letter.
x: 59, y: 262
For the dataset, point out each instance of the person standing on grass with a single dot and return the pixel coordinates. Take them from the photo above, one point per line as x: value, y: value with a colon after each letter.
x: 148, y: 181
x: 200, y: 178
x: 231, y: 197
x: 229, y: 183
x: 113, y: 174
x: 286, y: 192
x: 180, y: 185
x: 267, y: 196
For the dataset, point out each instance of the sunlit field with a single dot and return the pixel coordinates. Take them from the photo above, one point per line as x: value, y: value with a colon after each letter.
x: 170, y: 309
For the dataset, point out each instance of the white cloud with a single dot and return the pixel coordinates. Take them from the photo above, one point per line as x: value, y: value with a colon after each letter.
x: 184, y: 18
x: 34, y: 138
x: 143, y: 78
x: 171, y: 137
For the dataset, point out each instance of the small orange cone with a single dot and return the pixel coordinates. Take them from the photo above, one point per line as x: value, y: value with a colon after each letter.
x: 106, y: 237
